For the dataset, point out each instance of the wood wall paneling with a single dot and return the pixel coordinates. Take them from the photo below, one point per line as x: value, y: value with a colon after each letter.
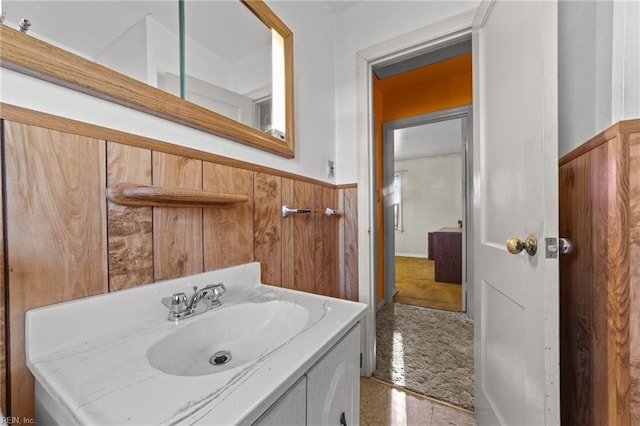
x: 267, y: 223
x: 288, y: 235
x: 230, y: 226
x: 129, y: 228
x: 605, y: 171
x: 350, y: 242
x: 304, y: 237
x: 330, y: 239
x: 634, y: 275
x: 618, y: 260
x: 575, y: 293
x: 3, y: 312
x: 602, y: 365
x: 177, y: 232
x: 321, y: 274
x: 341, y: 245
x: 56, y: 233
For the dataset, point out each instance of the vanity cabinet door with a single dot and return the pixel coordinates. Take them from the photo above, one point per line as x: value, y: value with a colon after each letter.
x: 333, y: 384
x: 290, y: 409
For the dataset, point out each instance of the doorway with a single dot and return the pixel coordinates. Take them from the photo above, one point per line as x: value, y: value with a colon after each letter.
x: 428, y: 349
x: 430, y: 38
x: 425, y: 350
x: 429, y: 155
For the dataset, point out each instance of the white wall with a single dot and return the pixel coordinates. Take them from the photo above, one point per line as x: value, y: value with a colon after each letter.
x: 431, y: 199
x: 359, y: 27
x: 128, y: 53
x: 313, y: 26
x: 598, y: 68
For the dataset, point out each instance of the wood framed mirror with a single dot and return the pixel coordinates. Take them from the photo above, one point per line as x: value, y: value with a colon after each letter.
x: 30, y: 55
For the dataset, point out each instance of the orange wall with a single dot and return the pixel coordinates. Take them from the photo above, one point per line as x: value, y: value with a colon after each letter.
x: 429, y: 97
x: 445, y: 84
x: 442, y: 85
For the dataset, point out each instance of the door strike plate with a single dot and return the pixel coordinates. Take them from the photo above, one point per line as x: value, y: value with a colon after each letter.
x: 551, y: 248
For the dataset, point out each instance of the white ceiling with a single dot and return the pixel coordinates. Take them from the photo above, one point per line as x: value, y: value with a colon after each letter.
x: 428, y: 140
x: 225, y: 27
x: 340, y: 5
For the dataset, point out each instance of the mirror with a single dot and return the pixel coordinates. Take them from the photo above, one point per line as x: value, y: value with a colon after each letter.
x: 233, y: 71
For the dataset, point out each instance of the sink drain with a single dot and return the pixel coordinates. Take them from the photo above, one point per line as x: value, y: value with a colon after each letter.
x: 220, y: 358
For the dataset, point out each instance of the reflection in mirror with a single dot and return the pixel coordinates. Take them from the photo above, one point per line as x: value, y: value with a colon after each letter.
x: 233, y: 62
x: 234, y: 77
x: 136, y: 38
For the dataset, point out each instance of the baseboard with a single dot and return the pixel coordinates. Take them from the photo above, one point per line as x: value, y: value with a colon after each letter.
x: 423, y: 256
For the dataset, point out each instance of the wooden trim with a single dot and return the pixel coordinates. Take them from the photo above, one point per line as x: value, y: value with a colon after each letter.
x: 271, y: 20
x: 347, y: 186
x: 267, y: 16
x: 131, y: 194
x: 23, y: 53
x: 53, y: 122
x: 626, y: 126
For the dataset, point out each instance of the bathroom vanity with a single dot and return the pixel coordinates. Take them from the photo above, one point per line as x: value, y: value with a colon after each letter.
x: 266, y: 355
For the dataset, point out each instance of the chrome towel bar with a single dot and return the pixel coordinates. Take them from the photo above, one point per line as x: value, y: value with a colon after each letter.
x: 286, y: 211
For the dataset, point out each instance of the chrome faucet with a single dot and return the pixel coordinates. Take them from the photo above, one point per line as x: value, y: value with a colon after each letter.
x: 202, y: 300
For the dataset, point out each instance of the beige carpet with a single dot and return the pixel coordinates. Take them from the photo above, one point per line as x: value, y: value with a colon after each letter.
x: 428, y: 351
x: 416, y: 285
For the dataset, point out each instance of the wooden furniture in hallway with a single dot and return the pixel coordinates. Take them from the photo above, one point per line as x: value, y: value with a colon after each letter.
x: 447, y: 253
x: 600, y: 279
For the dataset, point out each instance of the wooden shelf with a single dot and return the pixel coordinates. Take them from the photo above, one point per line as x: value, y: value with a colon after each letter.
x: 130, y: 194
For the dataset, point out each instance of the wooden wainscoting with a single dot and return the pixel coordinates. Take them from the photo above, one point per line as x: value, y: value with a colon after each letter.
x: 3, y: 312
x: 64, y: 240
x: 130, y: 232
x: 348, y: 242
x: 600, y: 279
x: 56, y: 232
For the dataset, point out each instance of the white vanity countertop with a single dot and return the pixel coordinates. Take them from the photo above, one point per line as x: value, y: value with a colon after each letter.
x: 90, y: 354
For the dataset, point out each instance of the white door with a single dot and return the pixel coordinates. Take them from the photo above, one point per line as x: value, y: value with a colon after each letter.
x: 516, y: 161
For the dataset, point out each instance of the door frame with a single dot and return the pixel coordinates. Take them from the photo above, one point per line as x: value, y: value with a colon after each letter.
x: 431, y: 37
x: 465, y: 113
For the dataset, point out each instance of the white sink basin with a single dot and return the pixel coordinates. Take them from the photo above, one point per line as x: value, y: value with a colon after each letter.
x: 123, y: 363
x: 228, y: 338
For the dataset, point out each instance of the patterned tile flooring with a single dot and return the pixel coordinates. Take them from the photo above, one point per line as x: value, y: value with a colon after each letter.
x: 382, y: 404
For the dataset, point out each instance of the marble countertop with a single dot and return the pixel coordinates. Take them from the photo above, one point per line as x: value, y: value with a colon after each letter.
x: 90, y: 354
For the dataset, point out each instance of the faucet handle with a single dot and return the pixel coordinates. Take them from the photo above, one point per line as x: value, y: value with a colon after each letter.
x: 178, y: 302
x: 178, y: 298
x: 219, y: 289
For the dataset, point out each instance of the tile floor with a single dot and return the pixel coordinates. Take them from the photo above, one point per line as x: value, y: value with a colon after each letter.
x: 381, y: 404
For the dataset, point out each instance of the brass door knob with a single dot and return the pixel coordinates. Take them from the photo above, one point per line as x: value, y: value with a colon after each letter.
x: 530, y: 245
